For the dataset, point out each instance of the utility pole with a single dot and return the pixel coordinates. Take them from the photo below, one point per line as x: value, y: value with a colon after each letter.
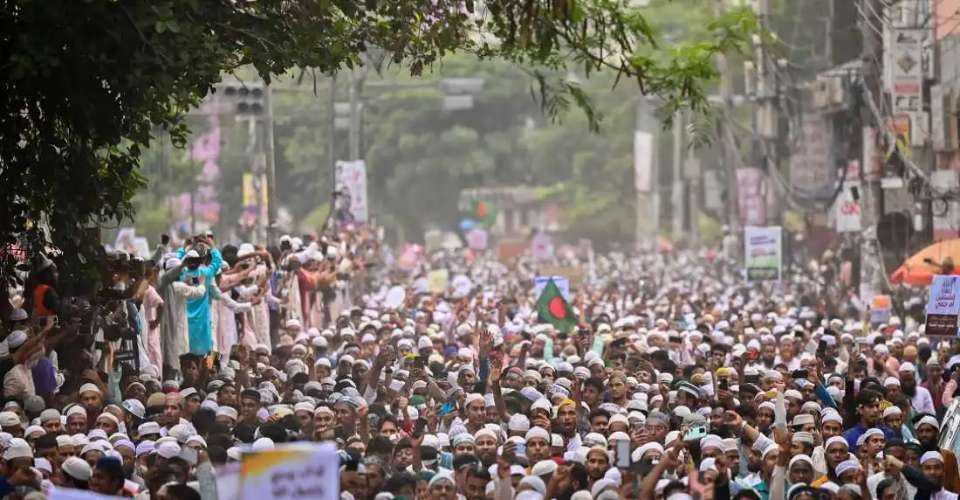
x: 354, y: 115
x: 271, y: 173
x: 828, y: 48
x: 765, y: 126
x: 331, y: 136
x: 693, y: 173
x: 730, y: 162
x: 647, y: 208
x: 676, y: 194
x: 871, y: 79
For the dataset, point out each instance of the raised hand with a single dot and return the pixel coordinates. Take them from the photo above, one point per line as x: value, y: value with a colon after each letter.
x: 486, y: 343
x: 496, y: 369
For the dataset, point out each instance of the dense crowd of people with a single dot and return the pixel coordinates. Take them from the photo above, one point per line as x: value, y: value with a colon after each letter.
x: 679, y: 379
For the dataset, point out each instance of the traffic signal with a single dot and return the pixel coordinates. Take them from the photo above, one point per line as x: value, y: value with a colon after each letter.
x: 247, y: 99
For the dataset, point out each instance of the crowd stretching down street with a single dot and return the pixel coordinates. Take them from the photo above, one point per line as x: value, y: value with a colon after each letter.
x: 661, y: 375
x: 535, y: 249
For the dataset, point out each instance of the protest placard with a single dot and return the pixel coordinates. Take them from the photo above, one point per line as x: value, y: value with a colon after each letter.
x: 562, y: 283
x: 943, y: 306
x: 880, y: 309
x: 296, y: 470
x: 477, y: 239
x: 228, y: 480
x: 541, y: 246
x: 74, y: 494
x: 575, y: 274
x: 437, y: 281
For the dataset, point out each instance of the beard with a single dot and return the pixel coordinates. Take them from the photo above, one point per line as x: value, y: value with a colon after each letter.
x: 931, y: 445
x: 910, y: 390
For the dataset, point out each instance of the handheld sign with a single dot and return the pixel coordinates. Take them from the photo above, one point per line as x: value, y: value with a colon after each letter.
x: 943, y: 306
x: 395, y: 297
x: 540, y: 282
x: 437, y: 280
x: 291, y: 471
x: 880, y: 309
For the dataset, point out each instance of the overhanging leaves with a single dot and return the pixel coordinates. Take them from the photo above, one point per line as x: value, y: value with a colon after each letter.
x: 86, y: 84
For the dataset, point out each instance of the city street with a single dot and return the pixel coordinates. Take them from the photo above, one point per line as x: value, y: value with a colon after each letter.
x: 480, y: 249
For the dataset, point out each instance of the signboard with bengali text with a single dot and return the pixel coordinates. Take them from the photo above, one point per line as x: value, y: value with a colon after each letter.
x: 943, y: 306
x: 763, y: 253
x: 291, y: 471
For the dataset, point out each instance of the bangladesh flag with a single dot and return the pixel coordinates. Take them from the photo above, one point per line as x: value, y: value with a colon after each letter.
x: 553, y: 309
x: 483, y: 213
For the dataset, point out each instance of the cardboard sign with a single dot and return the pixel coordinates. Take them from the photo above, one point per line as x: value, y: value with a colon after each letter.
x: 409, y: 257
x: 72, y: 494
x: 574, y: 274
x: 298, y: 470
x: 395, y: 298
x: 437, y: 281
x: 228, y: 480
x: 462, y: 285
x: 509, y: 250
x: 880, y: 309
x: 943, y: 306
x: 541, y: 246
x: 477, y: 239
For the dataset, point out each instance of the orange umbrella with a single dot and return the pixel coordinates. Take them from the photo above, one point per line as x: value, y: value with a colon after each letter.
x: 919, y: 269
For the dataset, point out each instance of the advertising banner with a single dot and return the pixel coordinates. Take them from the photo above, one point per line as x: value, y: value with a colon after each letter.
x: 812, y: 168
x: 751, y: 204
x: 352, y: 185
x: 763, y: 253
x: 847, y: 208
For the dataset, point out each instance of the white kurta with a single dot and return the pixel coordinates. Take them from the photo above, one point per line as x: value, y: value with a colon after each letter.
x: 226, y: 323
x: 152, y: 300
x: 294, y: 308
x: 261, y: 323
x: 174, y: 332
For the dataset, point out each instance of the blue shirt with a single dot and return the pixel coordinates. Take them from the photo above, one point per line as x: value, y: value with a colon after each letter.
x: 853, y: 434
x: 198, y: 310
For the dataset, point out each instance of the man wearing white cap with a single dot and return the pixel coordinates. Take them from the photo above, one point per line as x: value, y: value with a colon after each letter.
x: 928, y: 433
x: 928, y: 480
x: 174, y: 328
x: 919, y: 396
x: 198, y: 272
x: 76, y: 473
x: 18, y: 382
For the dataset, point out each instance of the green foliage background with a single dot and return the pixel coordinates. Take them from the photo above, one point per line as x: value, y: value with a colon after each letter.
x: 419, y: 157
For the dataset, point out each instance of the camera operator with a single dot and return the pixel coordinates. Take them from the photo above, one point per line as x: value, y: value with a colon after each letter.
x: 40, y: 291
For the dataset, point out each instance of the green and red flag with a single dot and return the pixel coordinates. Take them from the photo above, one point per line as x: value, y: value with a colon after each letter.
x: 484, y: 214
x: 553, y: 309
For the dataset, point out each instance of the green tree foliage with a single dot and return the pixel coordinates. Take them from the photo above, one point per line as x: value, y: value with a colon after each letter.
x: 85, y: 83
